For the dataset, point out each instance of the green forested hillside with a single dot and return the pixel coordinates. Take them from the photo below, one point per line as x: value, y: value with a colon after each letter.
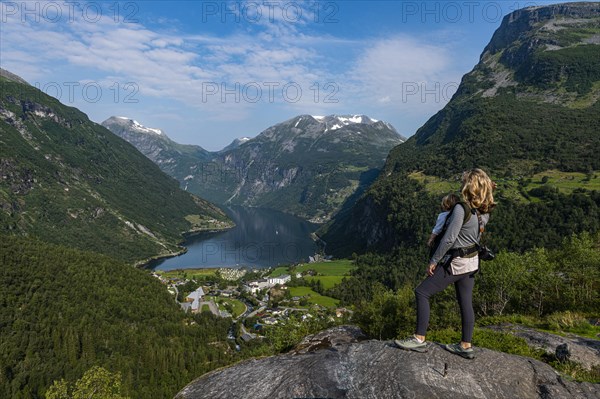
x: 63, y: 311
x: 503, y: 134
x: 530, y: 107
x: 70, y: 181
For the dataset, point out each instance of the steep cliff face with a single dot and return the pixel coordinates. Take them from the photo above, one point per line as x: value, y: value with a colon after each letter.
x: 529, y: 106
x: 549, y: 54
x: 338, y: 363
x: 528, y: 19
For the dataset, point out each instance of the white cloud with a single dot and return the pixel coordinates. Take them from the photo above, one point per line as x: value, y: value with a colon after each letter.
x: 176, y: 66
x: 403, y: 70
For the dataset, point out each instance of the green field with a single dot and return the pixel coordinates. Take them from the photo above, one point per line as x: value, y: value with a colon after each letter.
x: 238, y: 306
x: 566, y: 182
x: 278, y: 271
x: 329, y: 273
x: 435, y: 185
x: 187, y: 273
x: 341, y: 267
x: 327, y: 281
x: 313, y: 297
x: 512, y: 188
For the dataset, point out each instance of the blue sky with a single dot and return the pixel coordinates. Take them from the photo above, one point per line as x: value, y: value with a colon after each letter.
x: 207, y: 72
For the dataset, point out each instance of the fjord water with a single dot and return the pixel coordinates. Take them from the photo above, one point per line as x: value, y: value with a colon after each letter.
x: 261, y: 238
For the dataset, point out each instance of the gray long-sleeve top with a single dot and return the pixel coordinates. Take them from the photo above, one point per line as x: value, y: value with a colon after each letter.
x: 458, y: 235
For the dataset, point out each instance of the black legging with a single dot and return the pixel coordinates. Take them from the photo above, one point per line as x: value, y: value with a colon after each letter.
x: 463, y: 283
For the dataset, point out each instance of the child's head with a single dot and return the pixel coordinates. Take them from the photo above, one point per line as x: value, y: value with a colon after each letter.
x: 449, y: 201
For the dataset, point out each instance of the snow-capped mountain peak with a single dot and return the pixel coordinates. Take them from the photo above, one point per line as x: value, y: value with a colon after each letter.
x: 132, y: 123
x: 334, y: 122
x: 236, y: 143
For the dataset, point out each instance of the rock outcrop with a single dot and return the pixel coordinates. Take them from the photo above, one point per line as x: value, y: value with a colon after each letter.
x: 581, y: 350
x: 336, y: 364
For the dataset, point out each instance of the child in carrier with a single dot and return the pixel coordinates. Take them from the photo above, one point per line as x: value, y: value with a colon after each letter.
x: 448, y: 203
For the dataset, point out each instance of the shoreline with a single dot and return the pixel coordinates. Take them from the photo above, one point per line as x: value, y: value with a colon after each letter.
x: 143, y: 264
x: 191, y: 270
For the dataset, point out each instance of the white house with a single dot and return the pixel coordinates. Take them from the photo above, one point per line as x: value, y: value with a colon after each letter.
x: 269, y: 320
x: 280, y: 279
x: 257, y: 285
x: 195, y: 298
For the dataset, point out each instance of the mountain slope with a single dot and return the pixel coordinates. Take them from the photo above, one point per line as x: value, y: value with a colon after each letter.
x: 308, y: 166
x: 235, y: 144
x: 173, y: 158
x: 528, y: 109
x: 70, y: 181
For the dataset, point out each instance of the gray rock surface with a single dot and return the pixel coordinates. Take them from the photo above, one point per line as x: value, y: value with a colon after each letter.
x: 578, y: 349
x: 377, y: 369
x: 330, y: 338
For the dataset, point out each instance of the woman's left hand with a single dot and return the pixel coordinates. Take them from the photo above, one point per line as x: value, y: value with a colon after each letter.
x: 431, y: 269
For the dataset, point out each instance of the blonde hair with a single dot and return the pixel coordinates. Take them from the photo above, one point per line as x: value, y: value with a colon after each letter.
x: 449, y: 201
x: 477, y: 190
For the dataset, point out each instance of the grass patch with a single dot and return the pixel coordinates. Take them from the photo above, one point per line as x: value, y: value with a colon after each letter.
x: 301, y: 291
x: 329, y: 273
x: 201, y: 222
x: 327, y: 281
x: 188, y: 273
x: 588, y: 99
x: 237, y: 306
x: 435, y: 185
x: 511, y: 189
x: 195, y: 220
x: 494, y: 340
x: 560, y: 323
x: 341, y: 267
x: 577, y: 372
x: 566, y: 182
x: 279, y: 271
x: 314, y: 297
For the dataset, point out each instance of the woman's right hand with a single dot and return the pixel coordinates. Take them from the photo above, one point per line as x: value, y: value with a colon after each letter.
x: 431, y: 269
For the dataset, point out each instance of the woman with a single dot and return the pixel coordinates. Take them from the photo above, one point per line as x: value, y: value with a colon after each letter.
x: 456, y: 261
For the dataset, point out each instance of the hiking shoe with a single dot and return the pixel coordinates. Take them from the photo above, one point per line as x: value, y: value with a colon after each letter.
x: 411, y: 344
x: 457, y: 349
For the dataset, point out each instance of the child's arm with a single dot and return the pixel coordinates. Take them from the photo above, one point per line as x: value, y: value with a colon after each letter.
x: 431, y: 239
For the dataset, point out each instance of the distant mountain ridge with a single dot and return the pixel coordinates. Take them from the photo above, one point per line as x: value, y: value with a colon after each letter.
x: 173, y: 158
x: 235, y: 143
x: 12, y: 77
x: 530, y: 107
x: 308, y: 165
x: 69, y: 181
